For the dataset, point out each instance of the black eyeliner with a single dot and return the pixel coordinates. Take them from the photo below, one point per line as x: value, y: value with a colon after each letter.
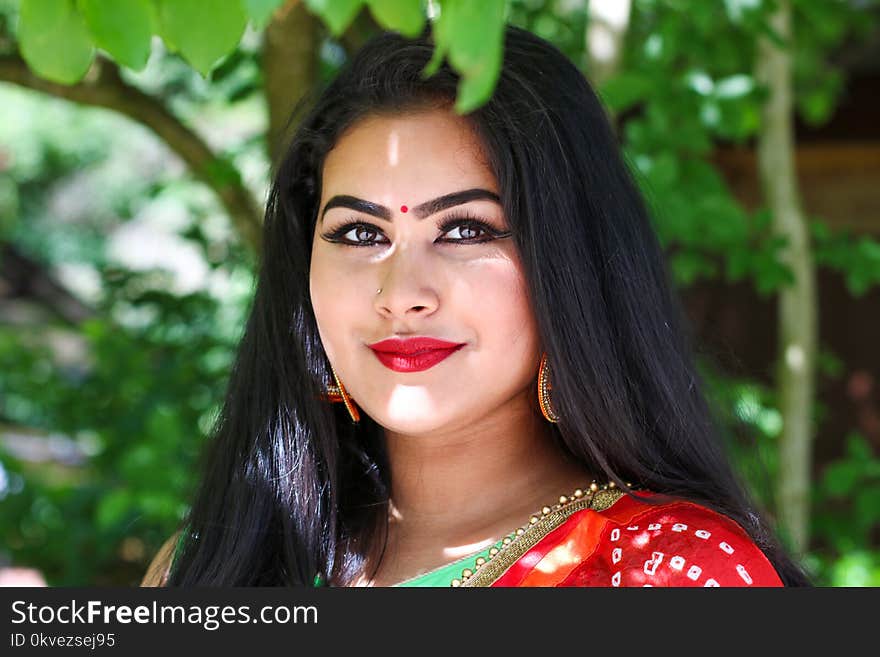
x: 463, y: 219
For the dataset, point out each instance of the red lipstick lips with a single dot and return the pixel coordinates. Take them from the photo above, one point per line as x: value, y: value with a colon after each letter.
x: 413, y: 354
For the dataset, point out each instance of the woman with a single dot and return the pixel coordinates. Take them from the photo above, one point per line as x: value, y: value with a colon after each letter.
x: 464, y: 364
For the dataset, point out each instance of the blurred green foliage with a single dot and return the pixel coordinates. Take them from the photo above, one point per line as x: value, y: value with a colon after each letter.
x: 121, y: 424
x: 124, y: 422
x: 687, y: 84
x: 138, y: 412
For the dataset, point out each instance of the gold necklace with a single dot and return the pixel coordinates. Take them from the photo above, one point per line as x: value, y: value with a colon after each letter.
x: 579, y: 495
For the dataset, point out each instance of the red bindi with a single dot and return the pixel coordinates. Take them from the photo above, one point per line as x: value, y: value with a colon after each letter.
x: 403, y: 208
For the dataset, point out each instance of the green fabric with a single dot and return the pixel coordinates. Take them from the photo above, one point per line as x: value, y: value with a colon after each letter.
x: 444, y: 575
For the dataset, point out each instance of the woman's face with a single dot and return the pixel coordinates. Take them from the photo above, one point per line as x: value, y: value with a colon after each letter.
x: 459, y: 283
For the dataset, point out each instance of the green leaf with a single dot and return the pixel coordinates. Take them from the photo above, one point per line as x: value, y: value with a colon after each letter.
x: 829, y: 364
x: 404, y: 16
x: 121, y: 27
x: 770, y: 422
x: 476, y: 88
x: 337, y: 14
x: 222, y: 172
x: 10, y: 211
x: 436, y: 60
x: 710, y: 114
x: 441, y: 29
x: 54, y: 40
x: 260, y: 11
x: 477, y: 33
x: 841, y: 478
x: 738, y: 264
x: 867, y: 506
x: 112, y: 508
x: 203, y: 31
x: 817, y: 106
x: 474, y: 32
x: 858, y: 448
x: 820, y: 230
x: 626, y: 89
x: 735, y: 86
x: 700, y: 81
x: 471, y: 35
x: 664, y: 169
x: 869, y: 249
x: 688, y: 266
x: 736, y: 8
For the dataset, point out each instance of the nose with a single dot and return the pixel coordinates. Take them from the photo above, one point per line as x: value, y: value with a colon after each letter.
x: 405, y: 290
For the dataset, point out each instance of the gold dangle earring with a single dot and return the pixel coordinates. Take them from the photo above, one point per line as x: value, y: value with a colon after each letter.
x: 337, y: 393
x: 544, y: 388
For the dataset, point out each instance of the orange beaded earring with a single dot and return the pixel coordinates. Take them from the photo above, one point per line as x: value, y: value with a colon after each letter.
x: 544, y: 388
x: 338, y: 393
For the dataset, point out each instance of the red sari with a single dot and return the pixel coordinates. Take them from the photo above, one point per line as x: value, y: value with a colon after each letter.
x: 632, y: 543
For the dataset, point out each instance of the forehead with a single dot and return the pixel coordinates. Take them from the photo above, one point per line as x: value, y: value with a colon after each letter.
x: 426, y: 153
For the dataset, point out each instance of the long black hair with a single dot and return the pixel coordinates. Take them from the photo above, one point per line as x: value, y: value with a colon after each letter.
x: 292, y: 489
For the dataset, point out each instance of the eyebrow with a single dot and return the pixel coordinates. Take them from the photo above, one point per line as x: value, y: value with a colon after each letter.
x: 421, y: 211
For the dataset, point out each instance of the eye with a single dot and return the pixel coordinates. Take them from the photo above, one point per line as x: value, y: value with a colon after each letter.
x: 459, y: 230
x: 361, y: 234
x: 355, y: 234
x: 465, y: 231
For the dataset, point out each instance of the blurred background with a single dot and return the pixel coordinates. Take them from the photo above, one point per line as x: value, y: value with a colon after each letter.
x: 131, y: 186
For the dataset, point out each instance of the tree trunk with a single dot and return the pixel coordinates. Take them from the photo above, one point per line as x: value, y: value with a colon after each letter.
x: 797, y: 304
x: 290, y: 66
x: 291, y: 61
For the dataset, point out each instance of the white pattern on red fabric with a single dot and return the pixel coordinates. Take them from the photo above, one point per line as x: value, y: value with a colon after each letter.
x: 652, y: 563
x: 673, y: 550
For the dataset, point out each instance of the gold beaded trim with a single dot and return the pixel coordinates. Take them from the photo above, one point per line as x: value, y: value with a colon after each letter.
x: 517, y: 543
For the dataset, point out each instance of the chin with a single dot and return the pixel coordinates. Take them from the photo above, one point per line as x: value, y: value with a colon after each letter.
x: 411, y: 422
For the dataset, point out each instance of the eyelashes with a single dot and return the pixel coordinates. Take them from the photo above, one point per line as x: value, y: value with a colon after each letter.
x: 464, y: 221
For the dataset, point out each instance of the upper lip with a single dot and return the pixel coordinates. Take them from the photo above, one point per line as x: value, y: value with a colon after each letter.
x: 412, y: 345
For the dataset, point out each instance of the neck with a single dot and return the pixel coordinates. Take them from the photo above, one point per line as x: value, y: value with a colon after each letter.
x: 461, y: 483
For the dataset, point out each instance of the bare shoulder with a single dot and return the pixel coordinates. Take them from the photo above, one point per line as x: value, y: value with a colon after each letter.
x: 157, y: 571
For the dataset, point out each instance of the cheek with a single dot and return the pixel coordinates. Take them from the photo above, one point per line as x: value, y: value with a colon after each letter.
x: 500, y: 299
x: 332, y: 299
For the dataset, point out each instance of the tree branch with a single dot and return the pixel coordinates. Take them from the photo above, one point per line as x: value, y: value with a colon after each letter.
x: 104, y: 87
x: 25, y: 277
